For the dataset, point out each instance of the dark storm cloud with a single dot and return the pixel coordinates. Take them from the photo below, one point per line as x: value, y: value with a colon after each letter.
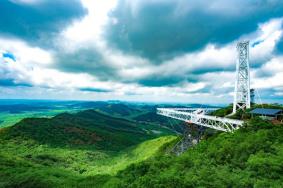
x: 175, y: 79
x: 207, y: 89
x: 279, y: 46
x: 85, y: 61
x: 161, y: 31
x: 257, y: 43
x: 157, y: 80
x: 12, y: 83
x: 96, y: 90
x: 166, y: 28
x: 37, y: 22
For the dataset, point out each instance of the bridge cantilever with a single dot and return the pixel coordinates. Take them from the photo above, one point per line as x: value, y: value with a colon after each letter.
x: 199, y: 116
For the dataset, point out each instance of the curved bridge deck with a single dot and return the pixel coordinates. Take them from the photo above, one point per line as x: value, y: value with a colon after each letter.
x: 199, y: 116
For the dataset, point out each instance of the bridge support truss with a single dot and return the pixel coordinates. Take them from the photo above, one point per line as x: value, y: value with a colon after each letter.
x: 191, y: 136
x: 200, y: 117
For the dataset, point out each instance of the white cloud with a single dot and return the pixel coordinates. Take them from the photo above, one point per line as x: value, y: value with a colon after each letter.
x: 34, y: 65
x: 25, y: 53
x: 267, y: 35
x: 88, y: 33
x: 208, y: 59
x: 89, y: 30
x: 274, y: 79
x: 220, y: 79
x: 275, y: 65
x: 225, y: 57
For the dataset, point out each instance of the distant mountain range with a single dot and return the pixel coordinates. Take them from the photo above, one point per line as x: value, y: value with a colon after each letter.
x: 82, y: 129
x: 12, y: 111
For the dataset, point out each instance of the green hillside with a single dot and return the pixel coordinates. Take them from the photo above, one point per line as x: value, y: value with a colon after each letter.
x: 251, y: 157
x: 151, y: 117
x: 70, y: 149
x: 119, y: 109
x: 90, y: 149
x: 83, y: 129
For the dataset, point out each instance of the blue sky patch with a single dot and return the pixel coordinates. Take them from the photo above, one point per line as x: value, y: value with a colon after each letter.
x: 9, y: 55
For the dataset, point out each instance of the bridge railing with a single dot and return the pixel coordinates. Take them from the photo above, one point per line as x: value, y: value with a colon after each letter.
x: 199, y: 117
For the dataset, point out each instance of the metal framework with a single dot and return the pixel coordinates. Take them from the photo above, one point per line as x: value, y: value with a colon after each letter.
x: 242, y: 99
x: 191, y: 136
x: 242, y: 85
x: 199, y: 116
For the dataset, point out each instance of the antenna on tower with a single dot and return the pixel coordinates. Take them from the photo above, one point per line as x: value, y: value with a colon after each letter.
x: 242, y: 86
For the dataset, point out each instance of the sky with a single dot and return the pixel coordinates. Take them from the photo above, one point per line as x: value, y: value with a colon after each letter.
x: 138, y: 50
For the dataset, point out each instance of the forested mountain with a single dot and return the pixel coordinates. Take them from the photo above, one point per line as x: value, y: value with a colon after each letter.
x: 70, y: 148
x: 251, y: 157
x: 92, y: 149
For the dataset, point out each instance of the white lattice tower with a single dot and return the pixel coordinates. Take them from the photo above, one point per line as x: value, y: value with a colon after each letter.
x: 242, y: 85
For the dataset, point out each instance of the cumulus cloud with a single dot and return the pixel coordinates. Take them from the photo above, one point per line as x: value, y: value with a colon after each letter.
x: 270, y: 74
x: 138, y: 50
x: 161, y: 29
x: 37, y: 21
x: 31, y: 66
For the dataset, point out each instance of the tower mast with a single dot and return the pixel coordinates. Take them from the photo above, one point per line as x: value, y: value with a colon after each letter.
x: 242, y: 85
